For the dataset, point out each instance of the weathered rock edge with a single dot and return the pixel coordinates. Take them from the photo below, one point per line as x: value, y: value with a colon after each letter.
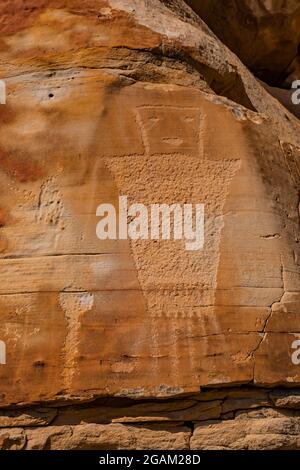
x: 223, y: 419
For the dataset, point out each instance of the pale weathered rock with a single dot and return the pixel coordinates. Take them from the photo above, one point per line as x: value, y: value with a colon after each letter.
x: 259, y: 430
x: 12, y: 439
x: 286, y: 398
x: 109, y: 98
x: 107, y: 437
x: 36, y: 417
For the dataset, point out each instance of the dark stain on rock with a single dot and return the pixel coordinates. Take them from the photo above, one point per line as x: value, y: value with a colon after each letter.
x: 39, y: 364
x: 18, y: 166
x: 7, y: 115
x: 3, y: 217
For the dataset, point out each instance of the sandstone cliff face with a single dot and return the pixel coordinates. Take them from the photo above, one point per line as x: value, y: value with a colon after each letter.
x: 109, y: 98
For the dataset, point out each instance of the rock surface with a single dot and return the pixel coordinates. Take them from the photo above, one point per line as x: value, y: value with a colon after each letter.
x: 255, y: 430
x: 109, y: 97
x: 265, y: 34
x: 238, y: 418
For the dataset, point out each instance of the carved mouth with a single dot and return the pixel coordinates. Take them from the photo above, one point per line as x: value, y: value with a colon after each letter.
x: 176, y: 141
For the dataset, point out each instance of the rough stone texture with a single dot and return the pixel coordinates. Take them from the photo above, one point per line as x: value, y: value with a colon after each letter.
x: 286, y: 399
x: 111, y: 436
x: 109, y: 97
x: 265, y: 429
x: 265, y: 34
x: 176, y: 410
x: 233, y: 418
x: 36, y: 417
x: 12, y: 439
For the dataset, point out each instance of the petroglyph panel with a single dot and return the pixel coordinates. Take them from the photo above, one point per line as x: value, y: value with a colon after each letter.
x: 84, y: 317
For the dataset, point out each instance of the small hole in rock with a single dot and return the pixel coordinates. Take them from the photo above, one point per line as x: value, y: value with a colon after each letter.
x: 39, y: 364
